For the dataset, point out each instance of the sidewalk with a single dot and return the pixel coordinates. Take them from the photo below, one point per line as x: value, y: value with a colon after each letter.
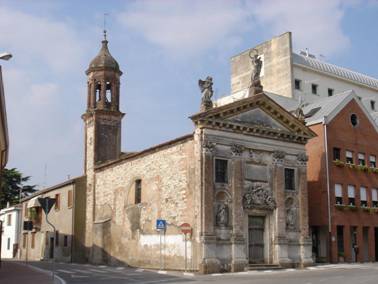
x: 12, y: 272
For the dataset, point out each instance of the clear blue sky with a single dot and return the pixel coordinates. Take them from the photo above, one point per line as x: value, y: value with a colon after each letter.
x: 163, y: 48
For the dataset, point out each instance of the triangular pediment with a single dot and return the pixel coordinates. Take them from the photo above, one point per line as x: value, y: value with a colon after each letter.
x: 257, y: 115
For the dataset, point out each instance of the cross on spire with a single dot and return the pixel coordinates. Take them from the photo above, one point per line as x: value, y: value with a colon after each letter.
x: 105, y: 14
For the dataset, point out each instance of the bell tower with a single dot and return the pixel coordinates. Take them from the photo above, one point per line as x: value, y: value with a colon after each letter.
x: 102, y: 118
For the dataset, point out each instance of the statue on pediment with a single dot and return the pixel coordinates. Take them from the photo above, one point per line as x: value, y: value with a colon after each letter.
x: 255, y: 87
x: 206, y: 87
x: 259, y: 196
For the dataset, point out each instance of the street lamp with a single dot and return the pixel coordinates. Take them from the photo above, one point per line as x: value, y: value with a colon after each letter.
x: 5, y: 55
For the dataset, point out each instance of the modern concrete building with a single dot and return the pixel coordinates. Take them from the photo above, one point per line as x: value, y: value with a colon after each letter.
x: 299, y: 75
x: 68, y: 217
x: 10, y: 218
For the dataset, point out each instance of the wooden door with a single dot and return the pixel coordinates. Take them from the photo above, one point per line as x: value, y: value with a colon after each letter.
x: 256, y: 225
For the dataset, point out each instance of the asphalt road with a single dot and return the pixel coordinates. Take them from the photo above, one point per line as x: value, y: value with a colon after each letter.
x: 325, y: 274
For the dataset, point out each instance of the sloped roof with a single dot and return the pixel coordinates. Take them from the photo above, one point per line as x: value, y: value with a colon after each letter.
x: 103, y: 60
x: 334, y: 70
x: 325, y: 107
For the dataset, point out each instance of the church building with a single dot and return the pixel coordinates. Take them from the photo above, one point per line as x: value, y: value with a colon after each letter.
x: 238, y: 181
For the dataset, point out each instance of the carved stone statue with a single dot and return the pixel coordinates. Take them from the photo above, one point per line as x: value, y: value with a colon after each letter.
x: 206, y: 87
x: 255, y: 87
x: 259, y: 196
x: 291, y: 214
x: 299, y: 111
x: 208, y: 147
x: 222, y: 215
x: 237, y: 149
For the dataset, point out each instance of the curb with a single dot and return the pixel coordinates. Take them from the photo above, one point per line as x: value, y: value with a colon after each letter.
x: 48, y: 272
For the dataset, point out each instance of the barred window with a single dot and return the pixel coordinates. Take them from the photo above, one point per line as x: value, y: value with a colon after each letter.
x: 289, y: 179
x: 221, y: 175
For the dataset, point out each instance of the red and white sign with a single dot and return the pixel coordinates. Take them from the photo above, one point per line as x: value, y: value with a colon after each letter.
x: 186, y: 228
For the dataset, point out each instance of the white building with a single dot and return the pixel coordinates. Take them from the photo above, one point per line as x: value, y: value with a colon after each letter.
x: 299, y: 75
x: 10, y: 218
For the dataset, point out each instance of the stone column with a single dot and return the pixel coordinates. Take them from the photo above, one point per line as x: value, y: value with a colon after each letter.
x: 280, y: 239
x: 239, y: 259
x: 305, y: 240
x: 209, y: 263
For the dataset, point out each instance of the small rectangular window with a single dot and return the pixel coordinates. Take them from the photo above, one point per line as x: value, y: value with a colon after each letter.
x: 65, y: 241
x: 289, y: 179
x: 349, y: 157
x: 314, y: 89
x: 374, y: 197
x: 69, y: 198
x: 339, y: 194
x: 9, y: 219
x: 336, y: 153
x: 138, y: 191
x: 57, y: 201
x: 297, y: 84
x: 221, y: 175
x: 330, y: 92
x: 8, y: 244
x: 56, y: 238
x: 32, y: 240
x: 372, y: 160
x: 363, y: 197
x: 361, y: 159
x: 372, y: 105
x: 351, y: 195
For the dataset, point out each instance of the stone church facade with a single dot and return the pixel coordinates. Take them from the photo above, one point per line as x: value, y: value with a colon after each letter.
x: 239, y: 180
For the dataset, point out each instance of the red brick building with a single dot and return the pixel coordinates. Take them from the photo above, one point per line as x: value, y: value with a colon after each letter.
x: 343, y: 180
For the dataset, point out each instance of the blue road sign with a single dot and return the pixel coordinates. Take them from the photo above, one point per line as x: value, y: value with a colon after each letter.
x: 161, y: 224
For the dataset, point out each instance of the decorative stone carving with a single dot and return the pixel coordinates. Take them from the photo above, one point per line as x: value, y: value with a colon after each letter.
x: 257, y: 157
x: 237, y: 150
x: 208, y: 147
x: 255, y: 87
x: 298, y: 113
x: 222, y: 215
x: 206, y: 87
x: 291, y: 215
x: 278, y: 156
x: 302, y: 157
x: 259, y: 196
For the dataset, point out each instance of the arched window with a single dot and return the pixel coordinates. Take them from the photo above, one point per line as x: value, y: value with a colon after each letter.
x: 98, y: 92
x: 108, y: 92
x: 138, y: 191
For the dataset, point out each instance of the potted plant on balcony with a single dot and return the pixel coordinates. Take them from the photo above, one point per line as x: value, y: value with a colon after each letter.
x: 338, y: 163
x: 362, y: 168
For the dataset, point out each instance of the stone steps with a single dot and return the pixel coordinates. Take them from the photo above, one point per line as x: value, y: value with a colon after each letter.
x: 264, y: 266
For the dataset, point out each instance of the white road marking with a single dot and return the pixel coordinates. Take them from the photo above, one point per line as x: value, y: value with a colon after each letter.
x: 120, y: 268
x: 162, y: 272
x: 216, y: 274
x: 268, y: 271
x: 188, y: 274
x: 290, y: 269
x: 97, y: 270
x: 65, y: 271
x: 140, y: 270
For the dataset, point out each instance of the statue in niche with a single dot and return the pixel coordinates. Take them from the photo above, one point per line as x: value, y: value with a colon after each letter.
x: 259, y: 195
x: 291, y: 215
x: 255, y: 87
x: 206, y: 87
x: 222, y: 215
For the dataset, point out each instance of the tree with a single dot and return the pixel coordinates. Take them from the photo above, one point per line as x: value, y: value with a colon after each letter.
x: 12, y: 187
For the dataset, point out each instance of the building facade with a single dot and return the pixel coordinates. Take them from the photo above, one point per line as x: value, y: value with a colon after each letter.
x: 343, y: 181
x: 239, y: 181
x: 66, y: 244
x: 10, y: 219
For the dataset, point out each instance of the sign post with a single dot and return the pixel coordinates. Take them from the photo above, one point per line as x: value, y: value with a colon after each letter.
x: 47, y: 203
x: 186, y: 229
x: 161, y: 226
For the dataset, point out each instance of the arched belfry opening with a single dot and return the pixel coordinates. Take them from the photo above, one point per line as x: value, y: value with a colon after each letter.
x: 103, y: 117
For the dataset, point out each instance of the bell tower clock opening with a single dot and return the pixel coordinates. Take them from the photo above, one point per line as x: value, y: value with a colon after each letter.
x: 102, y: 118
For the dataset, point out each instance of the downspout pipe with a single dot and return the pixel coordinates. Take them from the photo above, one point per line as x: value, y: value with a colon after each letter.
x: 328, y: 190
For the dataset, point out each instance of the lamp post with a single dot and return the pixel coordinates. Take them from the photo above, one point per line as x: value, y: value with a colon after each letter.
x: 3, y: 56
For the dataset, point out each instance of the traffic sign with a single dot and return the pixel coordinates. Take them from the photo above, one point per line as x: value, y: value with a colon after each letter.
x: 186, y: 228
x: 161, y: 224
x: 46, y: 203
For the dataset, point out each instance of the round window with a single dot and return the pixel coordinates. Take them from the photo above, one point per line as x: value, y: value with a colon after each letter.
x: 354, y: 120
